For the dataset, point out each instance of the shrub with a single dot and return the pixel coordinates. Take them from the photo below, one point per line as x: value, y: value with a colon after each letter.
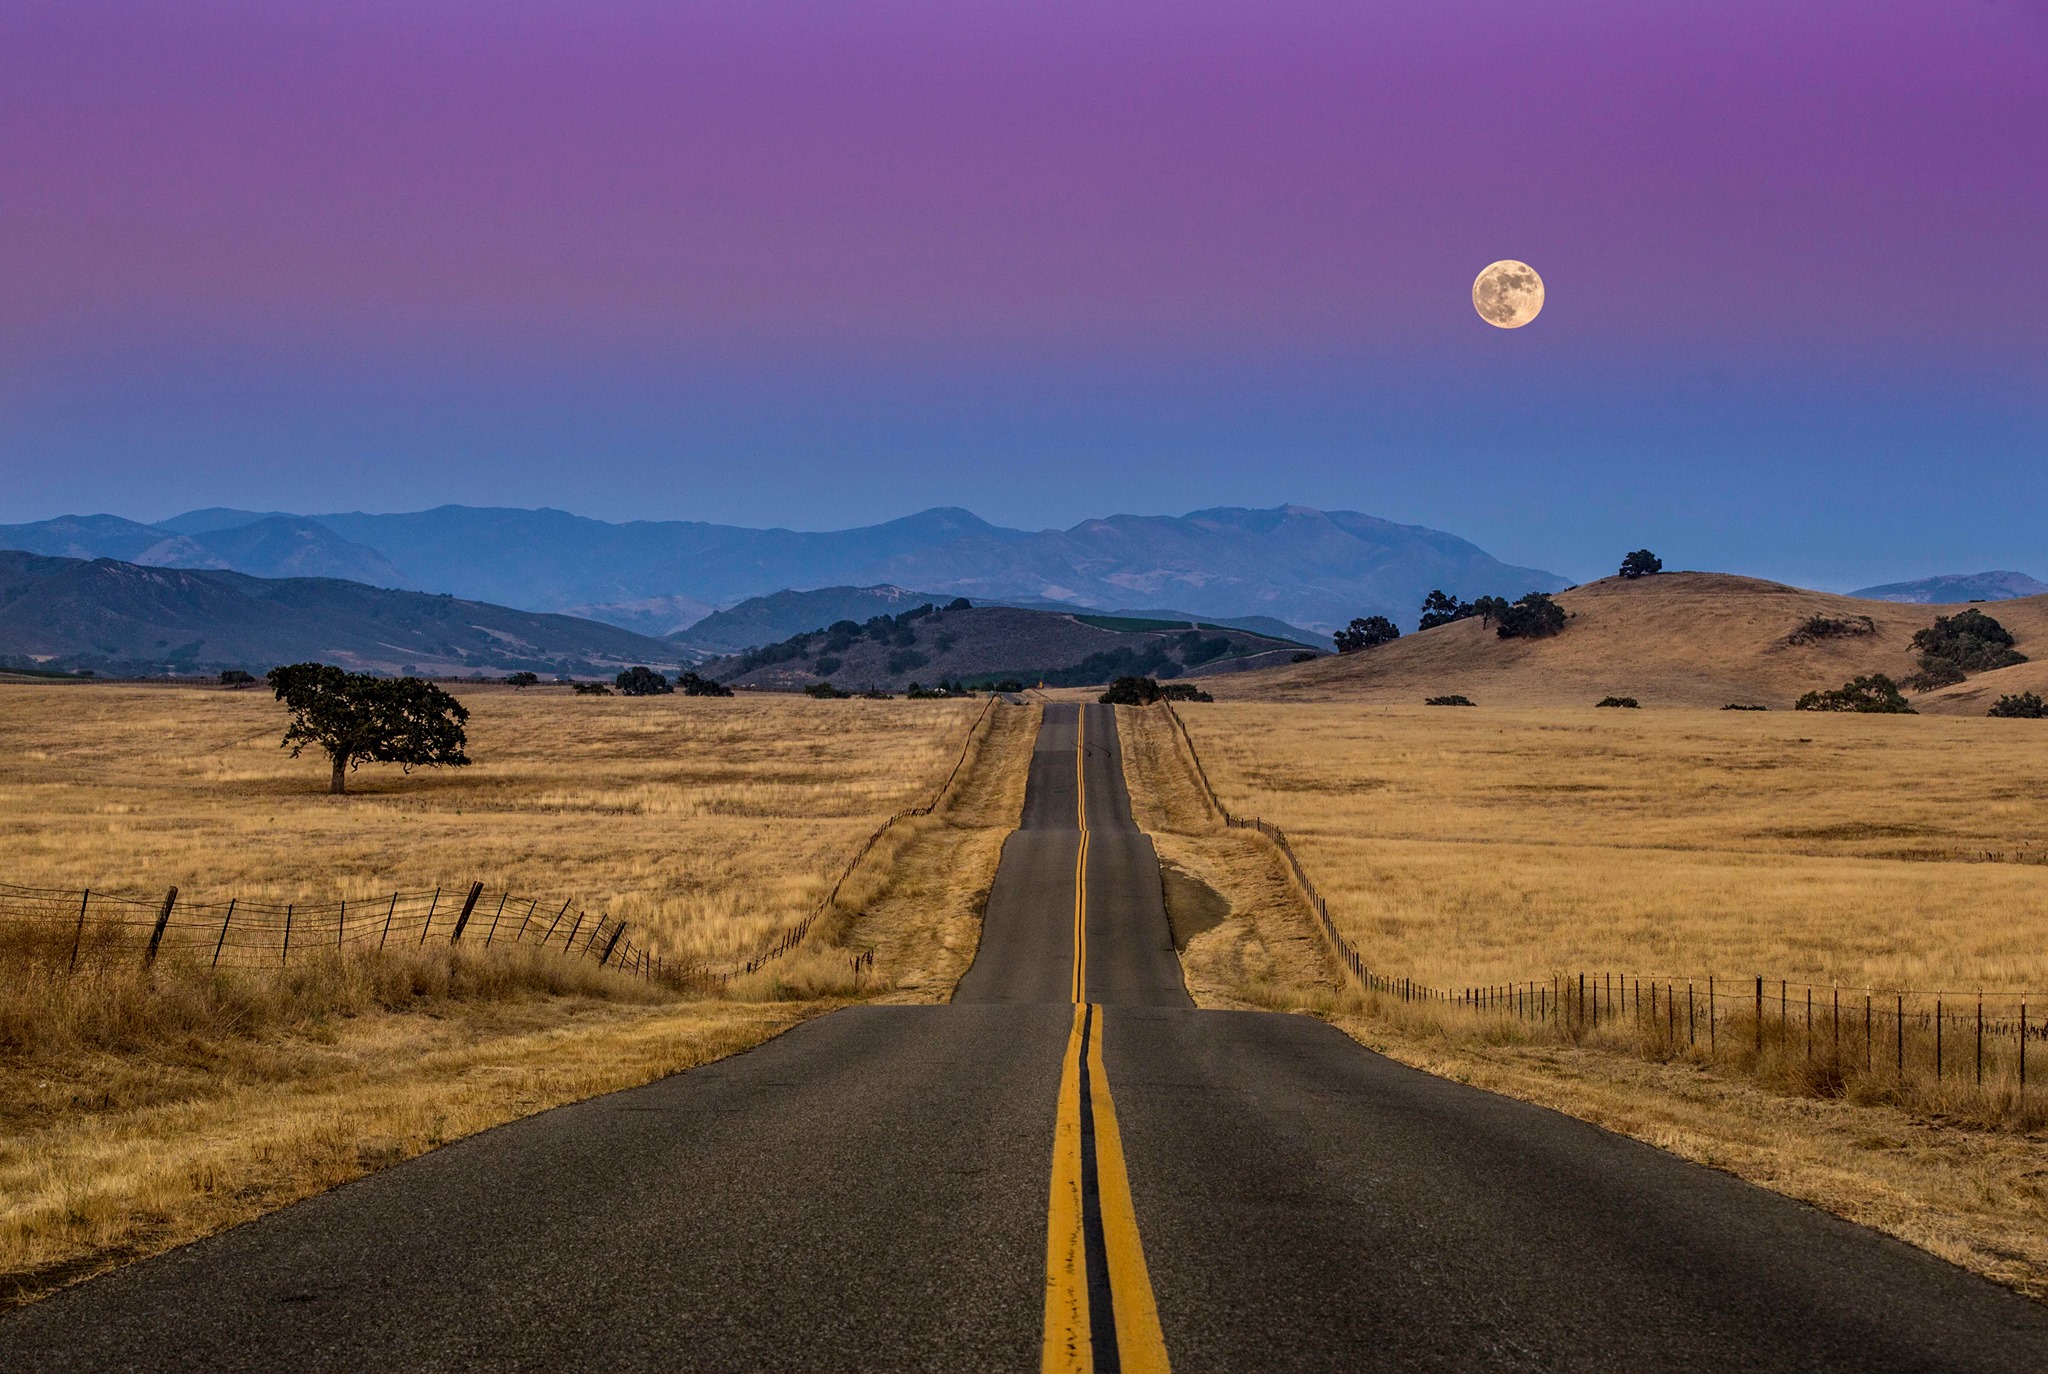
x: 2025, y: 706
x: 521, y: 681
x: 1874, y: 693
x: 1630, y: 702
x: 1305, y: 656
x: 1452, y: 700
x: 1131, y: 691
x: 1368, y: 632
x: 694, y: 686
x: 959, y: 603
x: 1956, y: 645
x: 1815, y: 628
x: 1182, y: 691
x: 826, y: 691
x: 1641, y: 563
x: 1535, y: 616
x: 642, y: 682
x: 592, y: 689
x: 1737, y: 706
x: 827, y: 665
x: 235, y: 677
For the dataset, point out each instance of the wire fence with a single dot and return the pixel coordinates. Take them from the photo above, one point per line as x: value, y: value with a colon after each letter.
x: 103, y: 926
x: 1824, y: 1035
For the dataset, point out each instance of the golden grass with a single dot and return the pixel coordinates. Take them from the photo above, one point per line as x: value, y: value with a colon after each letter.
x: 1474, y: 846
x: 140, y: 1109
x: 1532, y: 840
x: 706, y: 823
x: 1679, y: 639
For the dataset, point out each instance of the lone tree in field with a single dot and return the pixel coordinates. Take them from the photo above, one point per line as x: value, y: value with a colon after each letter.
x: 1366, y: 632
x: 521, y: 681
x: 1641, y: 563
x: 642, y: 681
x: 361, y: 719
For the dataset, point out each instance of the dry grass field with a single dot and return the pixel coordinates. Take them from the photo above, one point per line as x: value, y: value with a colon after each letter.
x: 706, y: 823
x: 1678, y: 639
x: 140, y: 1109
x: 1468, y: 846
x: 1489, y: 846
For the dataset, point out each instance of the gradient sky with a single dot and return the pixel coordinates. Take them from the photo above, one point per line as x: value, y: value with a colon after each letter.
x: 817, y: 264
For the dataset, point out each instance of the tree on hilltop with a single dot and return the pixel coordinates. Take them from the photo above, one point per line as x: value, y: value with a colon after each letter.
x: 1365, y: 633
x: 356, y: 718
x: 1441, y: 608
x: 1641, y: 563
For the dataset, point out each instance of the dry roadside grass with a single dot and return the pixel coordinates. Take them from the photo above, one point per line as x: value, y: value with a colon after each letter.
x: 707, y: 823
x: 1379, y: 788
x: 1476, y: 846
x: 139, y: 1111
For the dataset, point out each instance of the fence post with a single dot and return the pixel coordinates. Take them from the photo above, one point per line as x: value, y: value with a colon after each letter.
x: 476, y: 890
x: 285, y: 957
x: 1713, y: 1033
x: 1937, y: 1039
x: 557, y: 921
x: 428, y: 924
x: 1899, y: 1029
x: 387, y: 921
x: 163, y: 920
x: 2023, y: 1054
x: 79, y: 938
x: 341, y: 926
x: 611, y: 944
x: 1980, y: 1039
x: 492, y: 934
x: 569, y: 940
x: 1759, y: 1014
x: 217, y: 944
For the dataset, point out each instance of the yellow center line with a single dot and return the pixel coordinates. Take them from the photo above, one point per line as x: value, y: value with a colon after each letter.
x: 1069, y: 1345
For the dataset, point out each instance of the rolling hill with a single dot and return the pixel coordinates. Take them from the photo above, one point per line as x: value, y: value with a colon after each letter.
x: 983, y: 643
x: 1677, y: 639
x: 1311, y: 568
x: 1952, y: 588
x: 126, y: 619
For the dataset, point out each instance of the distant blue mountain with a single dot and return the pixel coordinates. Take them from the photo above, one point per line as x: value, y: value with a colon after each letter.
x: 1951, y: 588
x: 1309, y: 568
x: 261, y: 545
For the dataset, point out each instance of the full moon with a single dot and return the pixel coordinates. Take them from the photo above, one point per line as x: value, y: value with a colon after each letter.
x: 1508, y: 294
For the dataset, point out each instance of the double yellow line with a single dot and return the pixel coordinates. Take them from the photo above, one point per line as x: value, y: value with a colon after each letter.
x: 1085, y: 1133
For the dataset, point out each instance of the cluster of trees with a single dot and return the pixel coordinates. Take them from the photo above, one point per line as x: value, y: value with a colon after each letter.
x: 1627, y: 703
x: 1365, y: 632
x: 1955, y: 646
x: 2024, y: 706
x: 918, y: 692
x: 1534, y: 616
x: 1873, y: 693
x: 829, y: 644
x: 1454, y: 699
x: 641, y: 681
x: 355, y: 718
x: 1143, y: 691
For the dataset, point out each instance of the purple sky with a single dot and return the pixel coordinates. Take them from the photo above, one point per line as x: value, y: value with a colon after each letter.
x: 817, y: 264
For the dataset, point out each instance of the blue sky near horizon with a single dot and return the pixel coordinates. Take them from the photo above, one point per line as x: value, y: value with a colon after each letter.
x: 803, y: 266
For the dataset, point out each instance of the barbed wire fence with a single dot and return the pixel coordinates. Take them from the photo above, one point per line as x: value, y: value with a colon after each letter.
x: 104, y: 926
x: 1928, y: 1043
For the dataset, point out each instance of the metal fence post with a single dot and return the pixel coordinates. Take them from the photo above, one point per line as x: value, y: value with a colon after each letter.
x: 285, y: 957
x: 387, y: 921
x: 476, y: 890
x: 163, y: 920
x: 218, y: 944
x: 79, y: 938
x: 612, y: 944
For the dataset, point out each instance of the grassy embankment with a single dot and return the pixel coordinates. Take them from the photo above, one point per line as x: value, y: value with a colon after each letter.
x: 1472, y: 847
x: 139, y: 1111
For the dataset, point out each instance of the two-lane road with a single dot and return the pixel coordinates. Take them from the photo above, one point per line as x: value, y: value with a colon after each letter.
x: 1069, y: 1167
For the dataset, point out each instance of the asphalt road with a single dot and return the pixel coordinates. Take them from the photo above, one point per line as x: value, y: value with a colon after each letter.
x: 871, y: 1191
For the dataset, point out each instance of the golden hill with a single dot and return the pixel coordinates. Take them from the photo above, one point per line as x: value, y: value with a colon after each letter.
x: 1677, y: 639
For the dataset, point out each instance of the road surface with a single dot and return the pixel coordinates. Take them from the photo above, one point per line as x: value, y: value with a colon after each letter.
x: 1031, y: 1179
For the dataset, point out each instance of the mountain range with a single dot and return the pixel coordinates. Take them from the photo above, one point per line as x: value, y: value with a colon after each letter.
x: 1950, y: 588
x: 1310, y: 568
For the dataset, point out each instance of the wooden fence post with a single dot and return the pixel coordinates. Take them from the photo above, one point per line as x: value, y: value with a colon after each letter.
x: 612, y: 944
x: 163, y: 920
x: 476, y: 890
x: 217, y: 944
x: 79, y: 938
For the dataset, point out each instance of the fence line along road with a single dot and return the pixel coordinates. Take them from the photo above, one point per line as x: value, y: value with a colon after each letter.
x: 794, y: 935
x: 90, y: 929
x: 1974, y: 1041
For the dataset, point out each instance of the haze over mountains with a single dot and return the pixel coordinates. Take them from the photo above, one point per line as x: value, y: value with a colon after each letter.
x: 1315, y: 569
